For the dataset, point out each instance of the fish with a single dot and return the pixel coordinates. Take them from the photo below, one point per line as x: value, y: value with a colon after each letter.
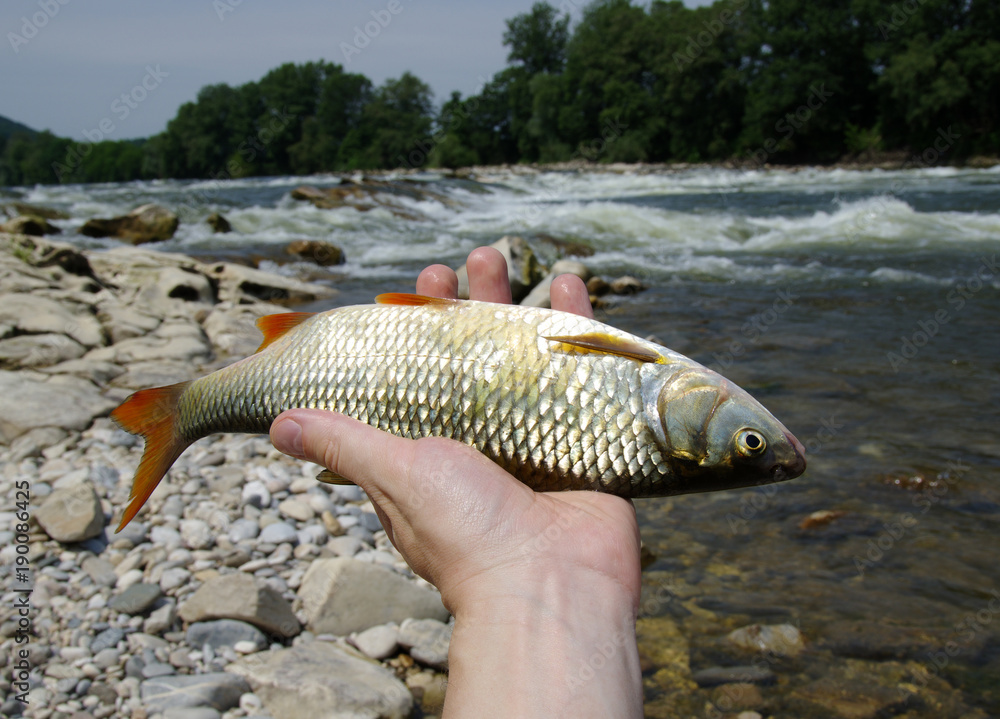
x: 560, y: 401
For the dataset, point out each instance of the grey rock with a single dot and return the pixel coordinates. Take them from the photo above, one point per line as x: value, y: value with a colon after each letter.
x: 240, y: 596
x: 783, y: 640
x: 173, y: 578
x: 157, y: 669
x: 278, y: 533
x: 100, y: 570
x: 29, y: 400
x: 342, y: 595
x: 191, y: 713
x: 428, y: 641
x: 34, y: 314
x: 134, y: 532
x: 161, y: 619
x: 196, y: 534
x: 72, y: 514
x: 377, y: 642
x: 239, y: 284
x: 166, y: 537
x: 136, y: 599
x: 318, y: 679
x: 107, y: 658
x: 219, y: 691
x: 32, y: 442
x: 256, y: 493
x: 370, y: 521
x: 713, y: 676
x: 345, y: 546
x: 243, y: 529
x: 107, y: 639
x: 42, y: 350
x: 224, y: 633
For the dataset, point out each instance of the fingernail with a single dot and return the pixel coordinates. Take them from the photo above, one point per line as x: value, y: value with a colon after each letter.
x: 286, y: 436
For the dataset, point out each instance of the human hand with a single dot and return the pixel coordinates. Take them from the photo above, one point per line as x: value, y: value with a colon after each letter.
x: 562, y: 566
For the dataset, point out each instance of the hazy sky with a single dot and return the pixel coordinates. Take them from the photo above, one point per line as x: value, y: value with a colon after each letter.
x: 75, y: 66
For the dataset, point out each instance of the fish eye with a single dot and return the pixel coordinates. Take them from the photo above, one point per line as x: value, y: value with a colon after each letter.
x: 750, y: 443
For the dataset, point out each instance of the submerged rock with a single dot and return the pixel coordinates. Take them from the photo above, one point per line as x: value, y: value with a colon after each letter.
x: 218, y: 223
x: 29, y: 225
x: 783, y: 640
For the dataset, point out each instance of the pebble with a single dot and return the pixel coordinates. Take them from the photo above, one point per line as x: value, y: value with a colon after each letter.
x: 243, y: 529
x: 196, y: 534
x: 278, y: 533
x: 107, y: 639
x: 256, y: 494
x: 296, y: 509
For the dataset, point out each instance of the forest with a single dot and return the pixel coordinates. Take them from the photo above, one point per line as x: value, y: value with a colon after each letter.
x: 742, y: 81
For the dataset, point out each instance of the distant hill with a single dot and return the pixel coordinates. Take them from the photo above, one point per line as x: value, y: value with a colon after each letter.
x: 8, y: 127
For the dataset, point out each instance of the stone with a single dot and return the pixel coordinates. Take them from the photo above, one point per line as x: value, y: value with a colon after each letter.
x: 29, y: 400
x: 173, y: 578
x: 72, y: 514
x: 322, y: 253
x: 107, y: 639
x: 239, y: 284
x: 278, y: 533
x: 219, y: 691
x: 782, y: 640
x: 35, y: 314
x: 13, y: 209
x: 377, y: 642
x: 626, y: 285
x: 196, y: 534
x: 29, y: 225
x: 100, y: 570
x: 428, y: 641
x: 43, y: 350
x: 256, y: 494
x: 297, y: 509
x: 224, y: 633
x: 317, y: 679
x: 218, y: 223
x: 243, y: 529
x: 161, y: 619
x: 190, y: 713
x: 343, y: 595
x: 136, y: 599
x: 147, y: 223
x: 713, y: 676
x: 180, y: 283
x: 241, y: 596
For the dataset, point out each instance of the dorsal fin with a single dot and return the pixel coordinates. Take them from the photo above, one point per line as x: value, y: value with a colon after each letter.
x: 274, y: 326
x: 609, y: 344
x: 408, y: 300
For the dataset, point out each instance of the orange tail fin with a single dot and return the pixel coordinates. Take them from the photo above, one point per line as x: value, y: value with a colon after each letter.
x: 153, y: 414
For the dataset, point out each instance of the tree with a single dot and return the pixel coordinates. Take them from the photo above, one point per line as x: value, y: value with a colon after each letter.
x: 537, y: 39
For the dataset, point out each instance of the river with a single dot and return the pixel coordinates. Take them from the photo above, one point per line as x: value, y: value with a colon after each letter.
x: 861, y: 307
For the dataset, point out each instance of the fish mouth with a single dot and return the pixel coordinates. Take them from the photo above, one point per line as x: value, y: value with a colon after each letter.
x: 793, y: 467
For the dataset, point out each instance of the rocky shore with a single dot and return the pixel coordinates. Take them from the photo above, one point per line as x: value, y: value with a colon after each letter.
x: 245, y: 588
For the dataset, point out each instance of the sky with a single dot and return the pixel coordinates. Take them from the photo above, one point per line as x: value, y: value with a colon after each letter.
x: 119, y: 69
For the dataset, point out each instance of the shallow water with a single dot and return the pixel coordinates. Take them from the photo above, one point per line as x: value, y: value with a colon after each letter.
x: 860, y: 307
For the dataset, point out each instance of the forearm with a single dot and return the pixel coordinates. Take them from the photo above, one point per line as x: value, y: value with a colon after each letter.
x: 562, y: 646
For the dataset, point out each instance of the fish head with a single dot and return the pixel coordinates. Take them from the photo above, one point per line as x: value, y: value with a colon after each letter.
x: 717, y: 436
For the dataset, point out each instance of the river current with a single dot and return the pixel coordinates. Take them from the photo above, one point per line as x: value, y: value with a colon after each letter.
x: 861, y: 307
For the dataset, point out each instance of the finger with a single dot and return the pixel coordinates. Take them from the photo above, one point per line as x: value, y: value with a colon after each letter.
x: 438, y: 281
x: 488, y: 280
x: 345, y: 446
x: 569, y: 294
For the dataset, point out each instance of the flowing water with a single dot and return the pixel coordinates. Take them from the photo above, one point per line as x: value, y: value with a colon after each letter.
x: 861, y: 307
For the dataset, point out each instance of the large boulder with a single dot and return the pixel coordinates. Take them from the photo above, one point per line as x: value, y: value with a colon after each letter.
x: 344, y: 595
x: 219, y: 690
x: 34, y: 314
x: 148, y: 223
x: 318, y: 679
x: 13, y: 209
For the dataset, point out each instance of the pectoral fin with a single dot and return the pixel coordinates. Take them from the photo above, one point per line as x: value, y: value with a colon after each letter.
x: 328, y: 477
x: 602, y: 342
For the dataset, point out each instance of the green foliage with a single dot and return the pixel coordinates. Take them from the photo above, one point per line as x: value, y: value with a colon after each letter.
x: 751, y: 80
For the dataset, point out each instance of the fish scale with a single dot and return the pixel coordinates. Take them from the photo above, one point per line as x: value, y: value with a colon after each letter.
x: 558, y: 400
